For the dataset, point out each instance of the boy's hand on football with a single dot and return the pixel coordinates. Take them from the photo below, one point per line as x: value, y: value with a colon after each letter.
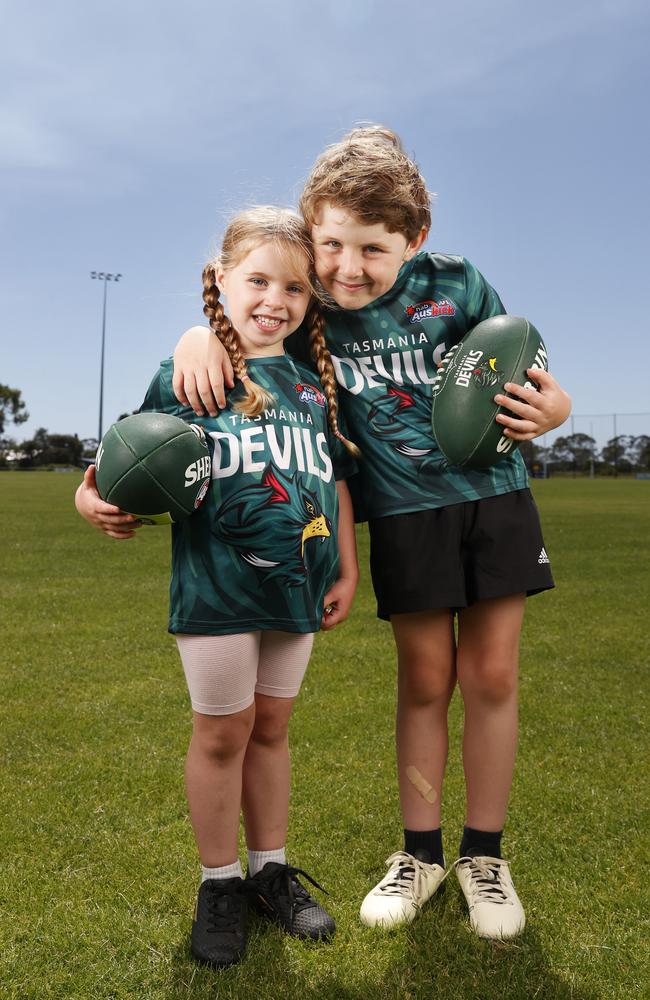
x: 535, y: 411
x: 337, y: 603
x: 105, y: 517
x: 202, y: 370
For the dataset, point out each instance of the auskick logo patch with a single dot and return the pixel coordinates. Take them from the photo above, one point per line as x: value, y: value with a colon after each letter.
x: 309, y: 394
x: 430, y: 309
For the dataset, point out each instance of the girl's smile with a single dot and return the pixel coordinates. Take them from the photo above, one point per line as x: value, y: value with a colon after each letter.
x: 268, y: 294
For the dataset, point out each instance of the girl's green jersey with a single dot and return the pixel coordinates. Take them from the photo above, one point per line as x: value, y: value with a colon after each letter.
x: 261, y: 551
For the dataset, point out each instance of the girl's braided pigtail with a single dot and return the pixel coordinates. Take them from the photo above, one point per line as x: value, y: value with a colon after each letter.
x: 257, y: 399
x: 323, y: 361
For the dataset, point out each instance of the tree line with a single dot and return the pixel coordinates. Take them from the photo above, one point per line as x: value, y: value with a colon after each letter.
x: 44, y: 449
x: 578, y: 453
x: 625, y: 453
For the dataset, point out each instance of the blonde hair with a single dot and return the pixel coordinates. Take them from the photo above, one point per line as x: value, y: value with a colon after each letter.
x: 369, y: 174
x: 287, y: 232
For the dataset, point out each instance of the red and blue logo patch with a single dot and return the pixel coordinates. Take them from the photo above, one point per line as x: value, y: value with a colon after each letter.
x: 309, y: 393
x: 430, y: 309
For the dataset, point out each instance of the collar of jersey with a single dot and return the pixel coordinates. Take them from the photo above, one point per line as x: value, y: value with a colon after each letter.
x: 269, y: 359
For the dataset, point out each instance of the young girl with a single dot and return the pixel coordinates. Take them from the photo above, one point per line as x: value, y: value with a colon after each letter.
x: 444, y: 541
x: 255, y: 572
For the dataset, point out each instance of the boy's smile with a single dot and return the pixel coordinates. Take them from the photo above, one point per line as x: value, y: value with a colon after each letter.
x: 357, y: 262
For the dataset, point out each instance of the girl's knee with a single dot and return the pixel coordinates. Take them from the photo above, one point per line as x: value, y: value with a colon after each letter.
x: 271, y: 721
x: 222, y: 737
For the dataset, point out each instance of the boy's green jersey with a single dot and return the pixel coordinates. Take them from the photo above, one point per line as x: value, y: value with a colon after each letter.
x: 261, y: 551
x: 386, y: 356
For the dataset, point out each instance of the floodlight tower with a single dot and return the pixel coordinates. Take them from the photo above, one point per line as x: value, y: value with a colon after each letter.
x: 105, y: 277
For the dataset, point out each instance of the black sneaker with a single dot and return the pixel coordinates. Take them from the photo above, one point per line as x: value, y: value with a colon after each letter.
x: 277, y: 893
x: 220, y: 922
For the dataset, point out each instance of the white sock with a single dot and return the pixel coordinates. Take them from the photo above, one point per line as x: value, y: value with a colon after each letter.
x: 227, y: 871
x: 257, y: 859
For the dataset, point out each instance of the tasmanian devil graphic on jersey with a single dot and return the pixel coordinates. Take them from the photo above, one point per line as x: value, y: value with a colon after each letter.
x: 277, y: 514
x: 395, y: 418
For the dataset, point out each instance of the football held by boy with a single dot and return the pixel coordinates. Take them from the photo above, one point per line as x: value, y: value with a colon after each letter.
x: 445, y: 541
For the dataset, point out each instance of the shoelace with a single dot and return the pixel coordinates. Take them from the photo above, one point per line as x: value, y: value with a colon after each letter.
x: 407, y: 878
x: 485, y: 874
x: 285, y: 882
x: 222, y: 915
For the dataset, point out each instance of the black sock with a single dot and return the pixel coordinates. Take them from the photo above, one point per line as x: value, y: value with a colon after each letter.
x: 425, y: 845
x: 480, y: 843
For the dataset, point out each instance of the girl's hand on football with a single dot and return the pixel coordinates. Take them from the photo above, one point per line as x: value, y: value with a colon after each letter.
x: 337, y: 603
x: 103, y: 516
x: 202, y: 370
x: 533, y: 411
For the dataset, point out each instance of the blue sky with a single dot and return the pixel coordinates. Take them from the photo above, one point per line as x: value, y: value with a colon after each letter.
x: 130, y: 132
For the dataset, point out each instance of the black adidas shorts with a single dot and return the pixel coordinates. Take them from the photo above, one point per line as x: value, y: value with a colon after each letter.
x: 451, y: 557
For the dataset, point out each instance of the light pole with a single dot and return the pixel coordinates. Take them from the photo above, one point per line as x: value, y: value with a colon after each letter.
x: 103, y: 276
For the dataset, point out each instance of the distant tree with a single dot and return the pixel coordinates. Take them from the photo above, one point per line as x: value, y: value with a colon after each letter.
x: 64, y: 449
x: 8, y: 449
x: 12, y: 408
x: 576, y: 451
x: 89, y: 447
x: 640, y: 453
x: 51, y: 449
x: 33, y: 449
x: 618, y: 454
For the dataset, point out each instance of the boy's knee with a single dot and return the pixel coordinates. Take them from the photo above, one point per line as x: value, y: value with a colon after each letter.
x: 490, y: 680
x: 425, y: 684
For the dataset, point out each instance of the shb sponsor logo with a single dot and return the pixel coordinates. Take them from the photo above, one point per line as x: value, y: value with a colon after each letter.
x: 430, y: 309
x: 197, y: 470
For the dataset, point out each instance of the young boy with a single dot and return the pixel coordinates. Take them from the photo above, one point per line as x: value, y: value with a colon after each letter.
x: 444, y: 541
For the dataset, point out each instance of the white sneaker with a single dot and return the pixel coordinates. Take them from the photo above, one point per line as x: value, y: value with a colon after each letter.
x: 406, y: 887
x: 495, y: 910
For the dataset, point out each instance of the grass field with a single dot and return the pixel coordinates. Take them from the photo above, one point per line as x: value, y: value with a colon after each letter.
x: 99, y: 865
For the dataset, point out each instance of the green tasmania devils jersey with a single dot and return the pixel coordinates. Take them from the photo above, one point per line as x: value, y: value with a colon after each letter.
x: 386, y: 357
x: 262, y: 550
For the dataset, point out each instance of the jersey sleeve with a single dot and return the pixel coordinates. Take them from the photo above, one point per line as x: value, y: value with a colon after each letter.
x: 481, y: 299
x: 160, y: 395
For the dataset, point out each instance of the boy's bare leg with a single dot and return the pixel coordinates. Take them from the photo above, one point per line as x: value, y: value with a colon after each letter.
x: 487, y: 663
x: 426, y: 680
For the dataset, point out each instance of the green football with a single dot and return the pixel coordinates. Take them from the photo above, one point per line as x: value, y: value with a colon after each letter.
x: 498, y: 350
x: 154, y: 466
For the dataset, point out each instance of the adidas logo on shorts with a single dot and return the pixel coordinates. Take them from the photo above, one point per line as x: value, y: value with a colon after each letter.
x: 543, y: 558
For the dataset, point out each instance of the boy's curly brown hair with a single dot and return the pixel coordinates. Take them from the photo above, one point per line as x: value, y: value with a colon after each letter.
x: 369, y: 174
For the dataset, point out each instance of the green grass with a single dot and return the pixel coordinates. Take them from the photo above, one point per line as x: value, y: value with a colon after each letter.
x: 99, y: 865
